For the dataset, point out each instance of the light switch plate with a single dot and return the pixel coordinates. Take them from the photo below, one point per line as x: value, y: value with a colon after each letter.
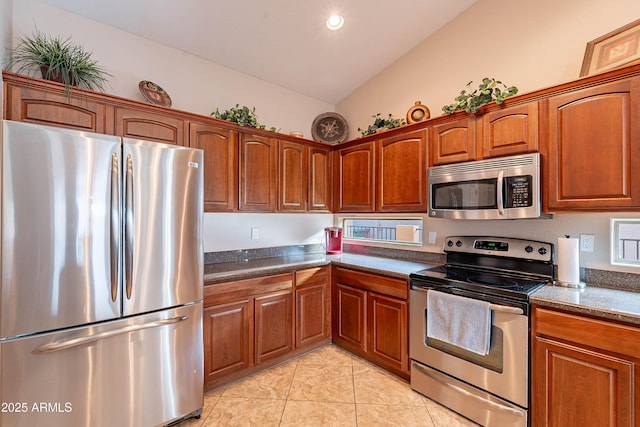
x: 255, y: 233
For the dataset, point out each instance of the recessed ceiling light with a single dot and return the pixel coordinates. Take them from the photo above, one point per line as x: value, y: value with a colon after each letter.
x: 335, y: 22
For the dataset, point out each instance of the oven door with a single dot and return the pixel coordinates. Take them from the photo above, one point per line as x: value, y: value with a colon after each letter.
x: 503, y: 372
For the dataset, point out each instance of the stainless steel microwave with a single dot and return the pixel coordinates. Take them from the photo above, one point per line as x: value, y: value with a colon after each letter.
x: 500, y: 188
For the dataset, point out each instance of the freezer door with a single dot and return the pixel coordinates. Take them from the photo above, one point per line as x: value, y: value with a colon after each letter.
x: 59, y: 227
x: 163, y: 208
x: 140, y: 371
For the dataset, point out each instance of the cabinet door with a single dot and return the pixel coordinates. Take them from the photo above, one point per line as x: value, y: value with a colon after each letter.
x: 355, y: 178
x: 387, y: 337
x: 35, y: 105
x: 320, y: 191
x: 148, y: 125
x: 258, y: 173
x: 312, y: 306
x: 228, y: 344
x: 273, y: 326
x: 349, y: 318
x: 510, y: 130
x: 293, y: 177
x: 594, y: 148
x: 453, y: 141
x: 402, y: 173
x: 220, y: 148
x: 574, y: 386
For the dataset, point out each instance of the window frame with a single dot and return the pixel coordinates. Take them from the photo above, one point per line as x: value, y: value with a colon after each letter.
x: 341, y: 223
x: 615, y: 242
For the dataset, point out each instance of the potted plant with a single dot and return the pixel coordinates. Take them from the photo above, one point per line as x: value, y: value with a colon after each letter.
x: 488, y: 91
x: 243, y: 116
x: 58, y: 60
x: 380, y: 124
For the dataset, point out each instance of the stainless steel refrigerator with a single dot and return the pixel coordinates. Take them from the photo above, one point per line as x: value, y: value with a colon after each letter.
x: 102, y: 270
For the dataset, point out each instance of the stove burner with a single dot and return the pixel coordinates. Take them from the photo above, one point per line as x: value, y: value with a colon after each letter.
x: 501, y: 282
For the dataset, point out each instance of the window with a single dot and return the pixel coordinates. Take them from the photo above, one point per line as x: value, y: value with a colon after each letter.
x: 625, y: 242
x: 395, y: 230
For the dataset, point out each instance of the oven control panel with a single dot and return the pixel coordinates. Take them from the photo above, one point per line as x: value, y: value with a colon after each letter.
x: 500, y: 246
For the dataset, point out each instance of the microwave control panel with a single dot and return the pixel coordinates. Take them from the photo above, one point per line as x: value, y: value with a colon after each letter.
x: 519, y: 191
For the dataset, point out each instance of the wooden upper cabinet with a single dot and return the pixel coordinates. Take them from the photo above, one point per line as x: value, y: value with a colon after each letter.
x: 292, y: 195
x: 509, y: 131
x: 355, y: 178
x: 148, y: 125
x: 320, y: 190
x: 55, y: 108
x: 593, y: 158
x: 258, y: 173
x: 453, y: 141
x: 220, y: 148
x: 402, y: 173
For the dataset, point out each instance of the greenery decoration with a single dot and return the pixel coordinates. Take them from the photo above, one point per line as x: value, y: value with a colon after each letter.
x: 243, y: 116
x: 380, y: 123
x: 488, y: 91
x: 58, y: 60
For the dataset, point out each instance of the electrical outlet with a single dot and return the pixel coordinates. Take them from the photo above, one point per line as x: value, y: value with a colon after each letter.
x: 587, y: 242
x: 432, y: 238
x: 255, y: 233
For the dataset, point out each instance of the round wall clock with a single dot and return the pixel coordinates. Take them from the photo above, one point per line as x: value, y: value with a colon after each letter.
x: 417, y: 113
x: 330, y: 128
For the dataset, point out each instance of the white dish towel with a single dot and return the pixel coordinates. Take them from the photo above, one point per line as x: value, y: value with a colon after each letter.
x: 459, y: 321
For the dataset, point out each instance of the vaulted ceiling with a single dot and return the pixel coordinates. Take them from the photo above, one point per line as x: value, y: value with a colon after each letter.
x: 285, y: 42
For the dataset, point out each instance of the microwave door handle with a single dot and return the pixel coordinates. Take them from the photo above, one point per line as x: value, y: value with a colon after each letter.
x: 500, y: 193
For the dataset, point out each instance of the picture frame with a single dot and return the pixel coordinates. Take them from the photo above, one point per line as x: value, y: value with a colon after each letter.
x: 613, y: 50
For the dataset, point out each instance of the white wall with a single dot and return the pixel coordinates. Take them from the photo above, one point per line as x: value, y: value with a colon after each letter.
x: 546, y: 230
x: 529, y: 44
x: 197, y: 86
x: 194, y: 84
x: 230, y: 231
x: 6, y: 26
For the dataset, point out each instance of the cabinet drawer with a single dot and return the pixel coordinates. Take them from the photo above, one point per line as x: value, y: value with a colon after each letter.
x: 312, y: 277
x: 383, y: 285
x: 238, y: 289
x: 605, y: 335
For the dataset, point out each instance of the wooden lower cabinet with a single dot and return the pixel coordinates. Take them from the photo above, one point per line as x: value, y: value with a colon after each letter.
x: 350, y: 318
x: 313, y: 306
x: 273, y: 326
x: 228, y: 329
x: 370, y: 318
x: 387, y: 337
x: 584, y: 371
x: 252, y: 324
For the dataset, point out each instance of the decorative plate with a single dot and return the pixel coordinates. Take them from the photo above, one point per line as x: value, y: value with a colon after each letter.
x: 330, y: 128
x: 154, y: 93
x: 417, y: 113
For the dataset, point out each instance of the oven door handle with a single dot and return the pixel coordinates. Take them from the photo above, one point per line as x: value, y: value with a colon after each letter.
x: 494, y: 307
x: 505, y: 309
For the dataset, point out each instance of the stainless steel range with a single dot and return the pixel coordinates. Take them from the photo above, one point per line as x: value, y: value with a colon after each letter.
x: 477, y: 366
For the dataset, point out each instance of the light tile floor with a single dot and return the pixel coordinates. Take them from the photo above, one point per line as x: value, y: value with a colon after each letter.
x: 328, y: 387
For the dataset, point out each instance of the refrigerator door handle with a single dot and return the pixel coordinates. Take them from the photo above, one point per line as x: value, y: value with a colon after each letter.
x: 76, y: 342
x: 115, y: 225
x: 128, y: 227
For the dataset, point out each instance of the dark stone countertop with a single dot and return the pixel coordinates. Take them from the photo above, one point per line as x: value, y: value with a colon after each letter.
x: 237, y: 270
x: 614, y: 304
x: 619, y: 304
